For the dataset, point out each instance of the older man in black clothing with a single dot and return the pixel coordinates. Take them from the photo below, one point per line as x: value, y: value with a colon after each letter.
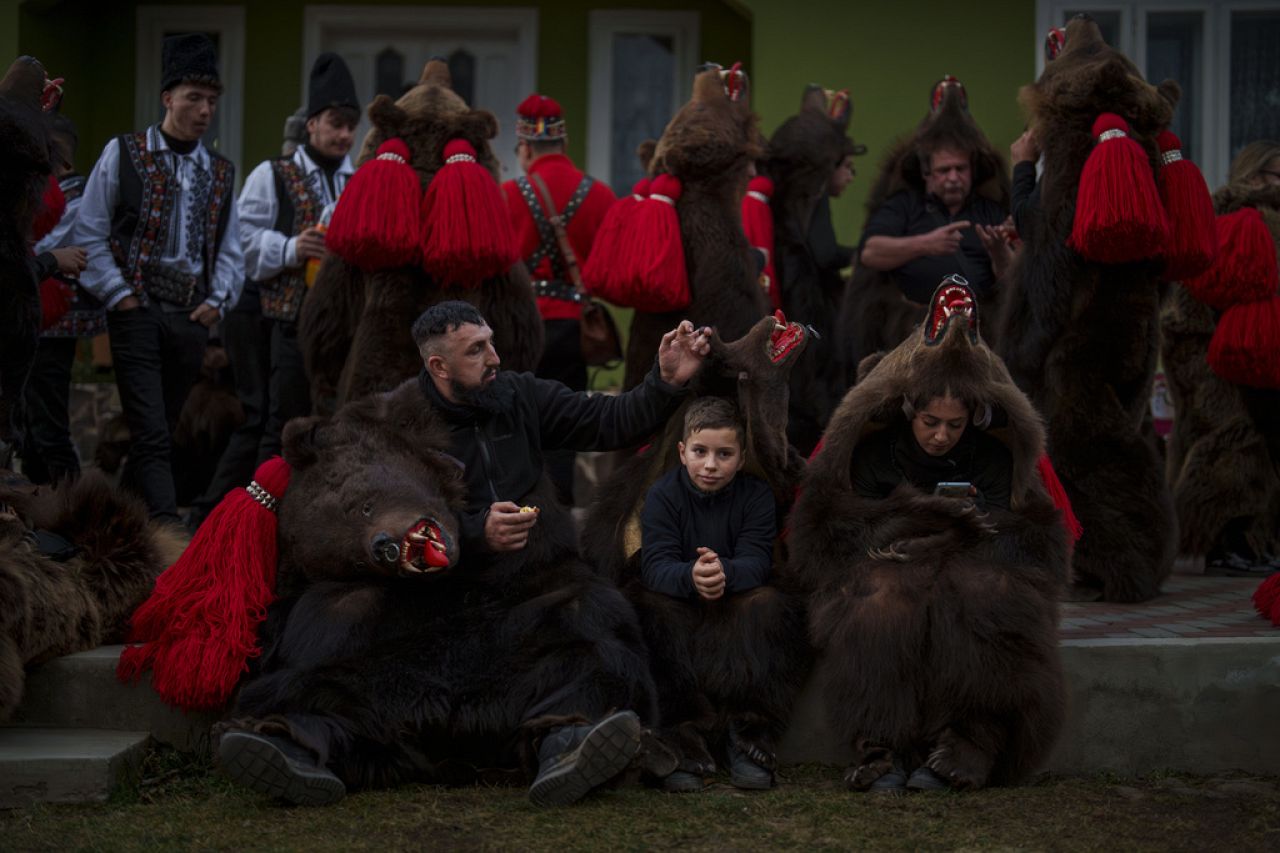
x: 501, y: 422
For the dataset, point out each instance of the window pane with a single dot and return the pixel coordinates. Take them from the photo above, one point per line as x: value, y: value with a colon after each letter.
x: 644, y: 68
x: 1255, y: 78
x: 388, y: 73
x: 1108, y: 21
x: 1175, y: 50
x: 462, y: 71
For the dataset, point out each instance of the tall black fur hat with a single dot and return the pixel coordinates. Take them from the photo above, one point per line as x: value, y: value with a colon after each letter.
x: 189, y: 58
x: 331, y: 85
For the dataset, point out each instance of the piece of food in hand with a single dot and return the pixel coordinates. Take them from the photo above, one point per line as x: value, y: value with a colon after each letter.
x: 529, y: 509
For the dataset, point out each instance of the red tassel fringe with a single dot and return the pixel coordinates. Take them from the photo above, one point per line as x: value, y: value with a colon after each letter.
x: 1245, y: 347
x: 1058, y: 494
x: 757, y: 224
x: 1266, y: 598
x: 199, y: 627
x: 52, y: 205
x: 466, y: 228
x: 1246, y: 267
x: 607, y: 271
x: 663, y: 281
x: 1193, y: 233
x: 1119, y: 218
x: 375, y: 225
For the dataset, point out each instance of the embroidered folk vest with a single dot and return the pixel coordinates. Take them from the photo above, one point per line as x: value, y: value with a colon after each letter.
x: 138, y: 226
x: 298, y: 208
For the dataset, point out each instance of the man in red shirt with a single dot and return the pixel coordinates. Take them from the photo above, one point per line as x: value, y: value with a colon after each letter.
x: 582, y: 202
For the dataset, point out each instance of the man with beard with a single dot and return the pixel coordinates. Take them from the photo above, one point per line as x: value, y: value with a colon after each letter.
x: 920, y: 237
x: 500, y: 423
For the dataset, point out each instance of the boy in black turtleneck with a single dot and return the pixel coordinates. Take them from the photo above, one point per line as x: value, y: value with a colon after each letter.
x: 708, y: 535
x: 706, y: 530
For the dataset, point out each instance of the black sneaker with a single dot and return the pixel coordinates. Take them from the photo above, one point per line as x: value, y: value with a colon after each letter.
x: 893, y: 783
x: 924, y: 779
x: 605, y: 751
x: 682, y: 782
x: 277, y: 767
x: 1237, y: 565
x: 745, y: 773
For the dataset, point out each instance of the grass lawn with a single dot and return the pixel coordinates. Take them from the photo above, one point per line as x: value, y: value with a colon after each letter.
x: 184, y: 805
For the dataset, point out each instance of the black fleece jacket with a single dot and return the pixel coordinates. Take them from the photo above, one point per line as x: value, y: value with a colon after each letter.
x: 501, y: 443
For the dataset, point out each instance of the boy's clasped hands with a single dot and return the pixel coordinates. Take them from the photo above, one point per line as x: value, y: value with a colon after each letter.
x: 708, y: 575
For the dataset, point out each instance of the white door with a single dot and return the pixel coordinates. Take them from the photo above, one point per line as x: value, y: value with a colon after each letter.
x: 491, y: 54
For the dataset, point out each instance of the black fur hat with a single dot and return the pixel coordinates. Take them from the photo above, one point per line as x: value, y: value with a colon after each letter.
x: 189, y: 58
x: 331, y: 85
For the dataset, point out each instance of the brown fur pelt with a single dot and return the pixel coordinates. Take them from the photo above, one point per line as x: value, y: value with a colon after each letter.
x: 1081, y: 338
x: 1219, y: 464
x: 708, y: 145
x: 804, y: 153
x: 742, y: 371
x: 874, y: 315
x: 938, y: 623
x: 354, y: 326
x: 50, y: 608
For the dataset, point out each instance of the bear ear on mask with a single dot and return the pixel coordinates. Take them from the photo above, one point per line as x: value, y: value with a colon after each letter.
x: 387, y: 117
x: 302, y: 441
x: 480, y: 125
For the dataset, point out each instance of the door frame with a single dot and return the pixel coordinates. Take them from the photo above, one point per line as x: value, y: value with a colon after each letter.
x: 317, y: 21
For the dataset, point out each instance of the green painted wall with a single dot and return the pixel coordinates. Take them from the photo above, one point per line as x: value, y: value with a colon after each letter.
x: 889, y: 55
x: 92, y: 45
x: 8, y: 31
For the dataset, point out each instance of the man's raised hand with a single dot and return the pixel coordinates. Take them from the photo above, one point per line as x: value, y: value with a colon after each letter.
x: 681, y: 353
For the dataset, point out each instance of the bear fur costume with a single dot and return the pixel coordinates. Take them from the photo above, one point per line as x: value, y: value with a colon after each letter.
x: 51, y: 607
x: 938, y: 624
x: 1081, y: 337
x: 708, y: 145
x: 25, y: 140
x: 354, y: 326
x: 804, y: 153
x: 875, y: 316
x: 753, y: 690
x: 392, y: 671
x: 1222, y: 456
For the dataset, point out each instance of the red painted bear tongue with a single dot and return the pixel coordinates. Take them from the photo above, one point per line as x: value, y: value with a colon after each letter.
x: 428, y: 537
x: 435, y: 555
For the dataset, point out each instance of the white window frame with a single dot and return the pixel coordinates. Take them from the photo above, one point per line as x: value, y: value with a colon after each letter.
x: 1214, y: 132
x: 683, y: 28
x: 317, y: 20
x: 228, y: 23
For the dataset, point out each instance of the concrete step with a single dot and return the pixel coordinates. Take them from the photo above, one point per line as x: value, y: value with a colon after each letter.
x: 80, y: 691
x: 67, y: 765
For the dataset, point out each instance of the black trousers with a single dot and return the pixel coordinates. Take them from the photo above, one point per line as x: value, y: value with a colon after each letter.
x: 48, y: 453
x: 157, y: 357
x: 562, y: 360
x: 271, y: 382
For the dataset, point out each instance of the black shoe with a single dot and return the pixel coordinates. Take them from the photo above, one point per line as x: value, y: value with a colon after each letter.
x: 893, y: 783
x: 745, y: 773
x: 924, y: 779
x: 277, y: 767
x: 591, y: 757
x: 682, y: 782
x: 1237, y: 565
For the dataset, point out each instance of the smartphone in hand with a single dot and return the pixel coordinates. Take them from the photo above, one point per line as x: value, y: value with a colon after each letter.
x: 953, y: 490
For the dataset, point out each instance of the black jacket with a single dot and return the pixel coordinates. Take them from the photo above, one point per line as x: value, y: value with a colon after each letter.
x: 891, y: 456
x: 738, y: 522
x: 501, y: 445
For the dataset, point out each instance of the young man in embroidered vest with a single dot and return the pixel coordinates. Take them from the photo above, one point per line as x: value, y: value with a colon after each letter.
x: 281, y: 206
x: 159, y: 223
x: 583, y: 202
x: 48, y: 453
